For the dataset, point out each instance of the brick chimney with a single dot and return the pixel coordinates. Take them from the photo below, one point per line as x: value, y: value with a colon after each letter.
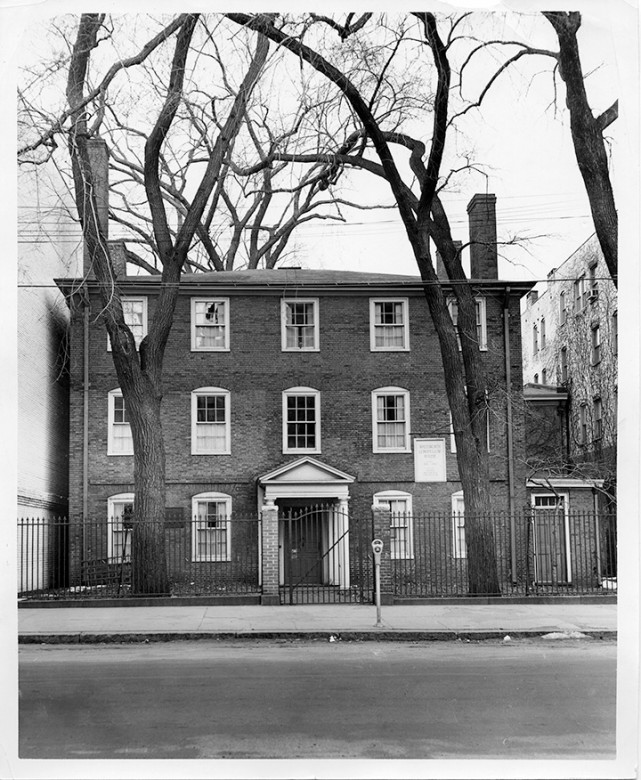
x: 481, y: 212
x: 99, y: 160
x: 440, y: 267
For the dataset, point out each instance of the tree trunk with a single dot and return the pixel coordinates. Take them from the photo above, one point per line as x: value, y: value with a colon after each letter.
x: 148, y: 559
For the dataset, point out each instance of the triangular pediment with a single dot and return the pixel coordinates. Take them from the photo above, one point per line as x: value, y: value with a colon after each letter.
x: 306, y: 471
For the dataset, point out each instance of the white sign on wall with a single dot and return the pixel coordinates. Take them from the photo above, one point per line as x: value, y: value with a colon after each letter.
x: 429, y: 460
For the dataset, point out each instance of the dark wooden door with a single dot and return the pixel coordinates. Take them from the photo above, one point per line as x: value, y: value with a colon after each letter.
x: 550, y: 547
x: 303, y: 549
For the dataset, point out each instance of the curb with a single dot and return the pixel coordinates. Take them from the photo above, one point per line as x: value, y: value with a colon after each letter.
x: 407, y: 635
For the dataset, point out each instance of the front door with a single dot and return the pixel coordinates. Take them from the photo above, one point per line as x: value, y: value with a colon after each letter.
x: 302, y: 540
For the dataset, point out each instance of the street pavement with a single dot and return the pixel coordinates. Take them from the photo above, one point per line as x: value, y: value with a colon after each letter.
x: 357, y: 621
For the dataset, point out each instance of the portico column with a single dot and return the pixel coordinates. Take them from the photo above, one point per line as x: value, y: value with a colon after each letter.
x: 343, y: 546
x: 269, y: 562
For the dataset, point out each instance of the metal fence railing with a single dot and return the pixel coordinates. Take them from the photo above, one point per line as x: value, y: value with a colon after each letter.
x: 92, y: 559
x: 537, y: 553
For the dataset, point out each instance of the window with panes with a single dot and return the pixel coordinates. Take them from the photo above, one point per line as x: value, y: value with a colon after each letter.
x: 120, y: 513
x: 301, y: 422
x: 597, y: 413
x: 120, y: 441
x: 135, y: 314
x: 210, y: 422
x: 210, y: 324
x: 391, y: 420
x: 211, y: 535
x: 564, y: 364
x: 481, y: 321
x: 401, y: 522
x: 300, y: 325
x: 389, y: 324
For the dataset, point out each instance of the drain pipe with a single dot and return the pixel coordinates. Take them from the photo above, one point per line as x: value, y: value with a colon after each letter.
x: 510, y: 442
x: 85, y: 422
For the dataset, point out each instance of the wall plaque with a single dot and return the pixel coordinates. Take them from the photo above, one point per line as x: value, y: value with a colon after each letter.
x: 429, y: 460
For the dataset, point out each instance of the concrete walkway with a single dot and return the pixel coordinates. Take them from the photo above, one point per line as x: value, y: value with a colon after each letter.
x: 349, y: 621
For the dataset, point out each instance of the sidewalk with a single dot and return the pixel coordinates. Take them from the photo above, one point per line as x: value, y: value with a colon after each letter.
x: 347, y: 621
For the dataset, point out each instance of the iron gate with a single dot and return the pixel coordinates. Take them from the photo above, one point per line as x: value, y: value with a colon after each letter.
x: 324, y: 556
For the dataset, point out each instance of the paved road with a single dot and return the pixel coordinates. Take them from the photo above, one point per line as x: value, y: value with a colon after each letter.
x: 304, y: 699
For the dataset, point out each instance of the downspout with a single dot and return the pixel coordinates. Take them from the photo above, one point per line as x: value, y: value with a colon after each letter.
x: 85, y: 422
x: 510, y: 442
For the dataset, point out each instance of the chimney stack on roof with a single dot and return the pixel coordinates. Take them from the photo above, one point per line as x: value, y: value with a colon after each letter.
x: 481, y: 212
x: 99, y: 161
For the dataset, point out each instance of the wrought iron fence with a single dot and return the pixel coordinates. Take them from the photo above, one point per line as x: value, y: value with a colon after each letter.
x: 92, y: 559
x: 538, y: 553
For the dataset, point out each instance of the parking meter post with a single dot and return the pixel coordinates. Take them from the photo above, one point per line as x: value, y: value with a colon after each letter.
x: 377, y: 549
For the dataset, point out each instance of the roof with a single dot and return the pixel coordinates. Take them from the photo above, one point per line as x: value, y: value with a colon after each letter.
x: 284, y: 279
x: 534, y: 392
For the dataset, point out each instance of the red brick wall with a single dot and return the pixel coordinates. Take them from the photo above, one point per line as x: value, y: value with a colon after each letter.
x: 256, y: 371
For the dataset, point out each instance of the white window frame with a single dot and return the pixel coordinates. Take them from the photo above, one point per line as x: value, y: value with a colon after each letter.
x: 114, y: 524
x: 219, y: 498
x: 218, y: 392
x: 379, y: 391
x: 224, y: 324
x: 111, y: 414
x: 404, y: 302
x: 487, y: 433
x: 382, y: 499
x: 459, y: 544
x: 285, y: 302
x: 308, y: 392
x: 134, y: 299
x: 481, y: 320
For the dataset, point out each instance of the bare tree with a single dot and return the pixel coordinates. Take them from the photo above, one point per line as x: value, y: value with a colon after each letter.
x: 424, y: 220
x: 587, y: 129
x: 140, y: 371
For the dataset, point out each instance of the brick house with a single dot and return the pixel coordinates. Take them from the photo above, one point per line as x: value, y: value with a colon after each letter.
x: 287, y: 389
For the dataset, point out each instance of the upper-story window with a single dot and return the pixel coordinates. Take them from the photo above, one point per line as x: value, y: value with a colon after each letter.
x: 593, y: 283
x: 542, y: 332
x: 481, y: 321
x: 299, y: 325
x: 135, y: 314
x: 615, y: 333
x: 210, y: 426
x: 544, y: 376
x: 391, y: 419
x: 564, y: 364
x: 595, y: 338
x: 301, y: 420
x: 119, y: 440
x: 583, y: 424
x: 210, y: 324
x: 580, y: 293
x: 389, y: 324
x: 563, y: 313
x: 535, y: 338
x: 597, y: 414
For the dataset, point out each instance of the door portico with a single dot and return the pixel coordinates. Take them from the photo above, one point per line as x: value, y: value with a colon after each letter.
x: 304, y: 483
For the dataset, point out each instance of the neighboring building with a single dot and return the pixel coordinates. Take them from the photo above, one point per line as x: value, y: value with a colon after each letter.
x: 48, y: 244
x: 570, y: 341
x: 290, y: 388
x: 570, y: 370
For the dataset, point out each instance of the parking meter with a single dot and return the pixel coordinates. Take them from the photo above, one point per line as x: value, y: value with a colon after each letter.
x: 377, y: 549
